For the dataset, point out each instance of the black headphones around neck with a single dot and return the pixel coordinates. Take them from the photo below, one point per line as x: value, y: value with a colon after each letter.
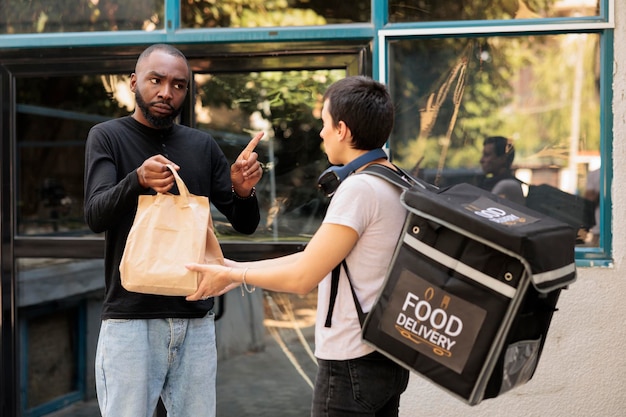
x: 330, y: 179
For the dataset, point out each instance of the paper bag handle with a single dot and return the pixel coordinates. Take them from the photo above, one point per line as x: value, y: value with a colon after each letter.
x: 182, y: 188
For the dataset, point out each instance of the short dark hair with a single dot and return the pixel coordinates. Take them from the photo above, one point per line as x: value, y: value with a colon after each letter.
x: 365, y: 106
x: 502, y: 146
x: 169, y: 49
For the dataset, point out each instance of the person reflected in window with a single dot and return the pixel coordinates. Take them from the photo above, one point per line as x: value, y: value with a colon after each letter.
x: 496, y: 161
x: 592, y: 193
x: 362, y: 225
x: 153, y: 346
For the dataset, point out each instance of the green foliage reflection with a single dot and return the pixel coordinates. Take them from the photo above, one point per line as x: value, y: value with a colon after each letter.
x: 540, y: 91
x: 44, y: 16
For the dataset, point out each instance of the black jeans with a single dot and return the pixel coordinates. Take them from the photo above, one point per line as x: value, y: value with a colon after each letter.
x: 369, y: 386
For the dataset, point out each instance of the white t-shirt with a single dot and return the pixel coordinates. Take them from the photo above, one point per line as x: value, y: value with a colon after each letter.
x: 511, y: 190
x: 371, y: 206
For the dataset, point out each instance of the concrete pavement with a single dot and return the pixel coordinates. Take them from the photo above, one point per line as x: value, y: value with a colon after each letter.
x: 274, y: 382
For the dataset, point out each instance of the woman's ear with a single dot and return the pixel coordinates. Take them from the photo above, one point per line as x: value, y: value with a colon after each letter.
x: 343, y: 130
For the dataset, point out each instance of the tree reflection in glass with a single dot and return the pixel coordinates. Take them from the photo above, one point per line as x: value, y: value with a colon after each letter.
x: 542, y: 92
x: 441, y: 10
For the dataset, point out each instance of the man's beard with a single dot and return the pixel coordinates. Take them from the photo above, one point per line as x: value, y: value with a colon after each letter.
x: 158, y: 122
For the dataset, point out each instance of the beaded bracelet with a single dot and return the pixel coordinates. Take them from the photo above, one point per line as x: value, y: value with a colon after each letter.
x: 238, y: 197
x: 243, y: 281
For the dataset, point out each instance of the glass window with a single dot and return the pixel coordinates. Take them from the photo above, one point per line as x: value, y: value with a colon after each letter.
x: 263, y: 13
x: 51, y: 16
x: 56, y: 300
x: 541, y: 92
x: 231, y: 106
x: 51, y: 352
x: 438, y: 10
x: 286, y: 105
x: 53, y: 118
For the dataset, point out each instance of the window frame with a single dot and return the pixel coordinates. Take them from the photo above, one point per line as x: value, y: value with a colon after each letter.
x: 351, y: 56
x: 20, y: 48
x: 603, y: 25
x: 379, y: 32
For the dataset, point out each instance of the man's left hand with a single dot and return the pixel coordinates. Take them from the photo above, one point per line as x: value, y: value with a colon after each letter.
x: 246, y: 172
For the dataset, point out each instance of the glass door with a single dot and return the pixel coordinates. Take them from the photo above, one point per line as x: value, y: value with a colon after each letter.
x: 265, y: 340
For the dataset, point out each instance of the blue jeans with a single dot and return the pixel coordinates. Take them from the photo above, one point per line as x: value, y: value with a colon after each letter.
x: 369, y: 386
x: 139, y: 360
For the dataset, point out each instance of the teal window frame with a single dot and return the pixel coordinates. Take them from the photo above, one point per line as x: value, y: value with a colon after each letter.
x: 603, y: 24
x: 379, y: 32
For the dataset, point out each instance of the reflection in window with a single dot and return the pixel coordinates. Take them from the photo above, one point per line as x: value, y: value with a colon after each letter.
x: 263, y: 13
x: 232, y: 107
x: 51, y: 16
x: 287, y: 106
x: 51, y: 280
x: 56, y: 298
x: 54, y: 115
x: 541, y: 92
x: 438, y: 10
x: 51, y: 366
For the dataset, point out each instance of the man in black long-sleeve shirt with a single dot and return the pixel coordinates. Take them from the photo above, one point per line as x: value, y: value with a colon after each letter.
x: 149, y: 345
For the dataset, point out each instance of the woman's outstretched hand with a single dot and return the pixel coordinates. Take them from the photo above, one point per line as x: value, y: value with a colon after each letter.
x: 213, y: 280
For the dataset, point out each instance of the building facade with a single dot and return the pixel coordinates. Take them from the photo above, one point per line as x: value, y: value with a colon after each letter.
x: 544, y: 73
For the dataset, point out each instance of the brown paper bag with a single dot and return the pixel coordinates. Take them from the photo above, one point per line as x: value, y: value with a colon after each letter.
x: 168, y: 232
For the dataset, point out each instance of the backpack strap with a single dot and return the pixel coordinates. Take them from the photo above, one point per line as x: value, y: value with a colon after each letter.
x: 398, y: 177
x: 401, y: 179
x: 334, y: 285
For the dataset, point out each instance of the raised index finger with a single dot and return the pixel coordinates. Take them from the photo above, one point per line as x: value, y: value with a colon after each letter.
x: 252, y: 144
